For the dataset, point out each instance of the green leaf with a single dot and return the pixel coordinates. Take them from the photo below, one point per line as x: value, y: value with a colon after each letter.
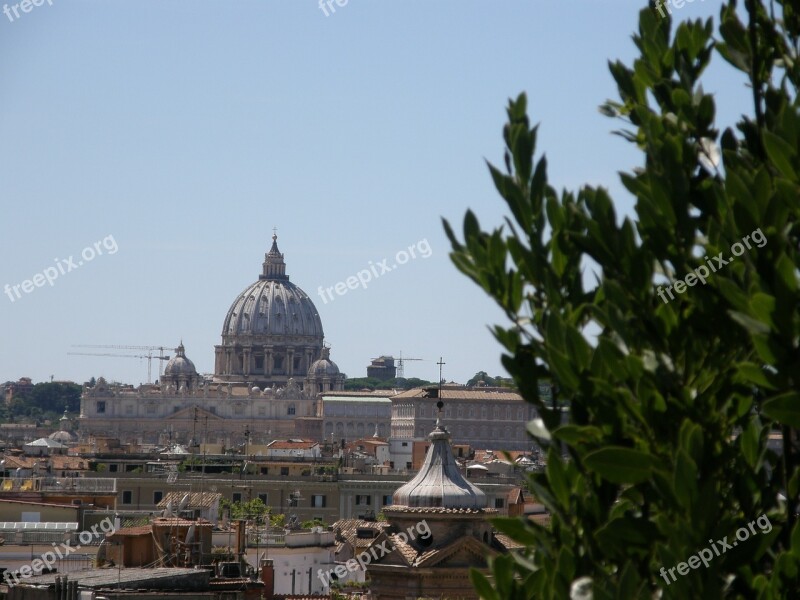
x: 482, y: 586
x: 781, y: 153
x: 557, y: 476
x: 784, y: 408
x: 620, y: 465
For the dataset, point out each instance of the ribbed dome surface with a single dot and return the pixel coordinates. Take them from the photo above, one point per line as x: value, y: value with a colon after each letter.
x: 179, y: 364
x: 439, y: 482
x: 324, y: 366
x: 273, y: 307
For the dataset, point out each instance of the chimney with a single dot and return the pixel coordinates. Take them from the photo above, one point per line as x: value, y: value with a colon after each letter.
x: 241, y: 536
x: 268, y: 578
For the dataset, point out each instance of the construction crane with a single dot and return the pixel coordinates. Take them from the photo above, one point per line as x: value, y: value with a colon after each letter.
x: 400, y: 361
x: 149, y: 356
x: 148, y: 349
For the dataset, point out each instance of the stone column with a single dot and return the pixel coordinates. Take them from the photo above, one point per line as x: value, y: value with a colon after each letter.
x: 309, y: 352
x: 290, y: 359
x: 268, y: 360
x: 246, y: 361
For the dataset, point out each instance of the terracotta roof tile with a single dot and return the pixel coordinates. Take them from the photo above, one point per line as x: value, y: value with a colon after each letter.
x: 506, y: 542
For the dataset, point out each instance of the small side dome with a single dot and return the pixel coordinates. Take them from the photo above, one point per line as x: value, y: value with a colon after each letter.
x: 64, y: 437
x: 180, y: 365
x: 324, y: 367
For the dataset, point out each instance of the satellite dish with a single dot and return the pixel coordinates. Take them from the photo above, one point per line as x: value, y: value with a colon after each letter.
x: 184, y: 503
x: 190, y: 535
x: 168, y: 509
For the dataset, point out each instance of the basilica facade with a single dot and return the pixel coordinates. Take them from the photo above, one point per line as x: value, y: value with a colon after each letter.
x: 270, y: 371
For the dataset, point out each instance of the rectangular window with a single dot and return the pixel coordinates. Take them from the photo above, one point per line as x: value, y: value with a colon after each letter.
x: 262, y: 411
x: 284, y: 470
x: 364, y: 500
x: 238, y: 410
x: 212, y: 410
x: 129, y: 409
x: 387, y: 500
x: 101, y: 406
x: 498, y: 503
x: 409, y: 465
x: 318, y: 501
x: 236, y: 496
x: 127, y: 497
x: 265, y: 470
x: 404, y: 444
x: 157, y: 496
x: 151, y: 410
x: 263, y: 498
x: 112, y: 468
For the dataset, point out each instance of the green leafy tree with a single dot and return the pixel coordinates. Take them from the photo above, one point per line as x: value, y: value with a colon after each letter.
x: 372, y: 383
x: 483, y: 376
x: 664, y: 448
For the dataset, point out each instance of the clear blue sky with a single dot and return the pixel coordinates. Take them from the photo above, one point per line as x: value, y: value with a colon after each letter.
x: 187, y: 129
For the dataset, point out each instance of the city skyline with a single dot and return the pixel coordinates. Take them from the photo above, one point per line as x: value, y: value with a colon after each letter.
x: 188, y: 131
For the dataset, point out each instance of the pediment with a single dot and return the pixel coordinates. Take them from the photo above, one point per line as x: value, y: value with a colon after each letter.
x: 189, y: 413
x: 464, y: 552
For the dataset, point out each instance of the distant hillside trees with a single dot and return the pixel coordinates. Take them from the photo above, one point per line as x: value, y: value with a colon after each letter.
x: 399, y: 383
x: 43, y: 401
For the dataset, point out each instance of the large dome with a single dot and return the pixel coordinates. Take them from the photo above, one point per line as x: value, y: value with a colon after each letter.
x: 272, y: 307
x: 272, y: 331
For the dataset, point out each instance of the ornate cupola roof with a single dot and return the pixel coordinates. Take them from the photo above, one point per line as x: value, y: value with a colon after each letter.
x: 274, y: 266
x: 179, y: 364
x: 439, y: 482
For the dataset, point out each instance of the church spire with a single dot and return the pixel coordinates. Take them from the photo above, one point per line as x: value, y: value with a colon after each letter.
x: 274, y: 267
